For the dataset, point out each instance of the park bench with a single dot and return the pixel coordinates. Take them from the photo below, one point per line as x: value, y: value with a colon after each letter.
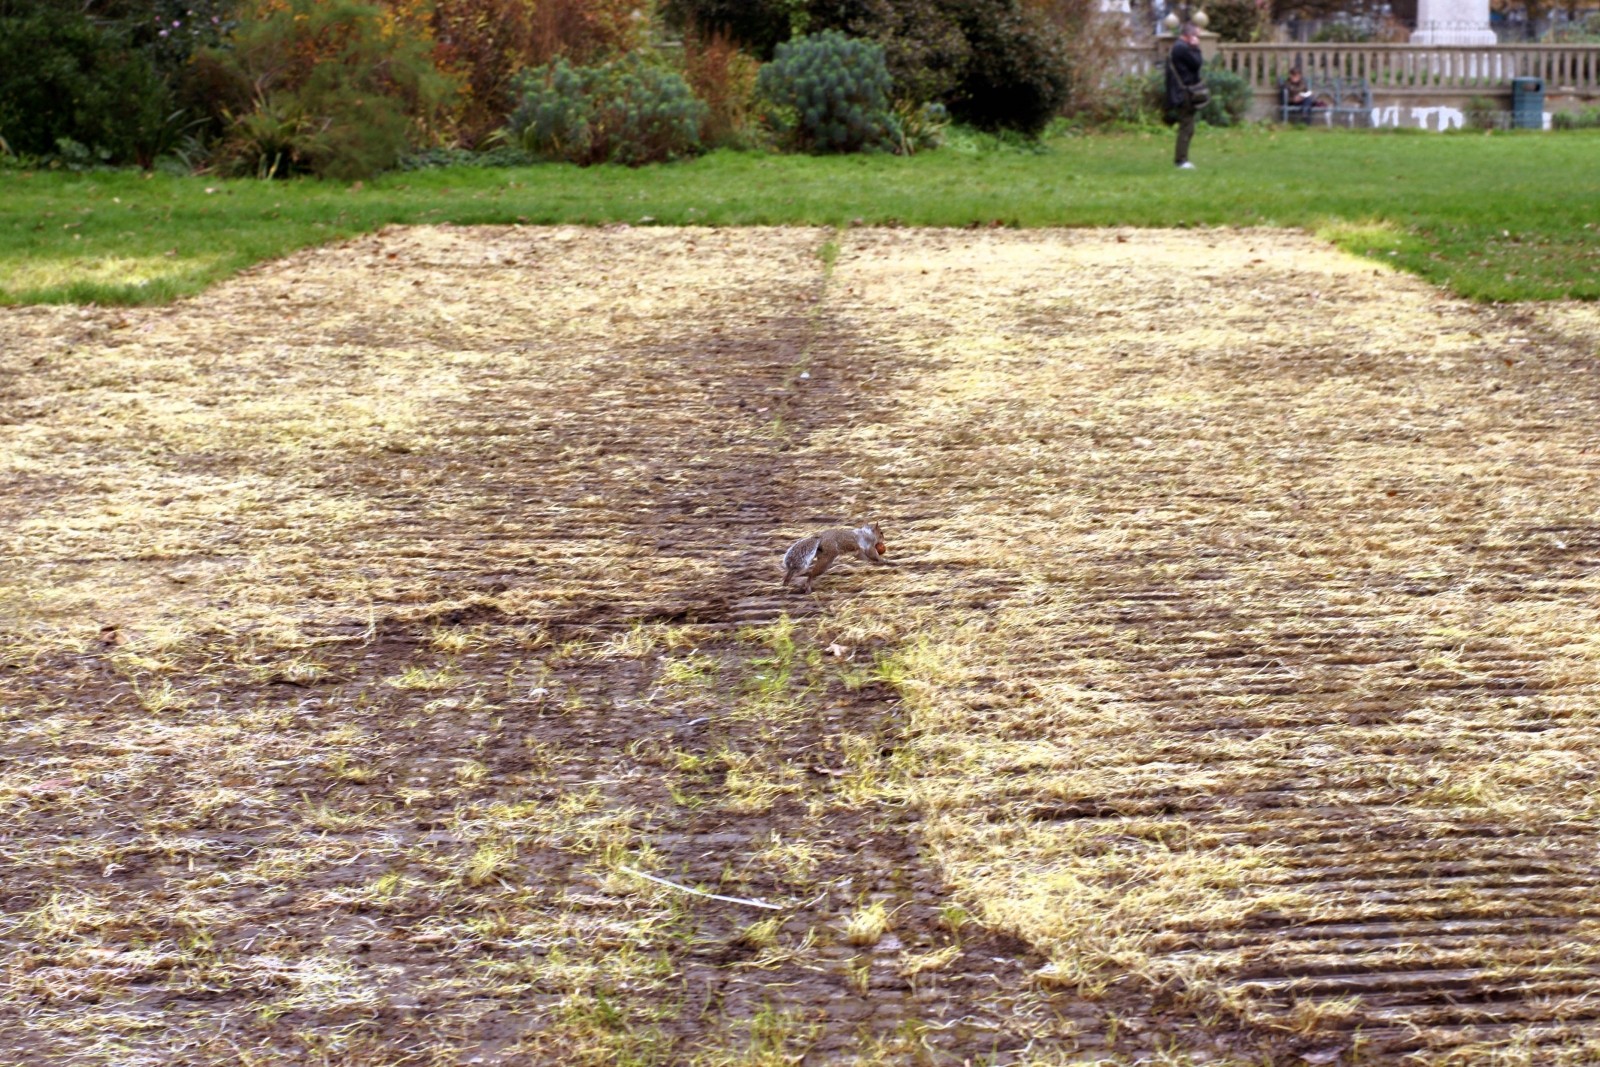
x: 1340, y: 102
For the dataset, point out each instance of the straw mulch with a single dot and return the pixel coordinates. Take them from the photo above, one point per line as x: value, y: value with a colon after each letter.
x: 1238, y: 668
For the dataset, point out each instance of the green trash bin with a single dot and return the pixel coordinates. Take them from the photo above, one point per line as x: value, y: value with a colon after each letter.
x: 1527, y: 103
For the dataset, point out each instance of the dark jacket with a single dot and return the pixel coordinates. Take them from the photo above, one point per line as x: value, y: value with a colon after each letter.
x: 1186, y: 60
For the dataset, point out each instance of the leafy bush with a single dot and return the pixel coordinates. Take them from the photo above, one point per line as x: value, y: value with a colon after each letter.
x: 829, y: 93
x: 487, y: 43
x: 170, y: 32
x: 1230, y: 101
x: 759, y: 25
x: 626, y: 111
x: 1586, y: 119
x: 1579, y: 31
x: 336, y: 88
x: 725, y: 79
x: 921, y: 126
x: 1239, y: 20
x: 1131, y: 100
x: 1484, y: 113
x: 1092, y: 42
x: 66, y: 77
x: 993, y: 63
x: 972, y: 143
x: 1343, y: 31
x: 924, y: 45
x: 1018, y: 77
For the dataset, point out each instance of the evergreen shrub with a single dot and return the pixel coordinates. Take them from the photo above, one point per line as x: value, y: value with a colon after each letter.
x: 487, y: 44
x: 1231, y: 97
x: 67, y: 78
x: 923, y: 42
x: 829, y: 93
x: 626, y: 111
x: 1018, y: 77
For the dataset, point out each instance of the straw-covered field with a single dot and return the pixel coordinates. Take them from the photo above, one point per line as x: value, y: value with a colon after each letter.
x: 393, y: 658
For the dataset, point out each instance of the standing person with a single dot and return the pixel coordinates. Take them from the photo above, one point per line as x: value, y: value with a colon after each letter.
x: 1183, y: 69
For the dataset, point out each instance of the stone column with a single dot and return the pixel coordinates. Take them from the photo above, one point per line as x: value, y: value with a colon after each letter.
x: 1453, y: 22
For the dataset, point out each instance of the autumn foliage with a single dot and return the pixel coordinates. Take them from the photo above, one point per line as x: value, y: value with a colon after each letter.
x: 725, y: 78
x: 486, y: 43
x: 332, y: 87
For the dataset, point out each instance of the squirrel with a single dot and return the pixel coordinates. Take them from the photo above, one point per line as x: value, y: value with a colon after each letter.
x: 810, y: 556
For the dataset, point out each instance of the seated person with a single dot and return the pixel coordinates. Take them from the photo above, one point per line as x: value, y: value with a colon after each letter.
x: 1295, y: 97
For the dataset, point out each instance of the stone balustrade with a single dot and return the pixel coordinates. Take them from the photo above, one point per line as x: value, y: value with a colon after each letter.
x: 1430, y: 84
x: 1572, y: 68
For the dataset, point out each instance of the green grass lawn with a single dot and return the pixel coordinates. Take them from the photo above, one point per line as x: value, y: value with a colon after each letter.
x: 1491, y: 217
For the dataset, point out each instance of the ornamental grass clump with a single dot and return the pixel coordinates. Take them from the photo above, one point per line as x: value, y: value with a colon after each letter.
x: 627, y: 111
x: 828, y: 93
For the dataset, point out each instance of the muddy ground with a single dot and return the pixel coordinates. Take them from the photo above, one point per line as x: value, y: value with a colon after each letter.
x: 394, y: 658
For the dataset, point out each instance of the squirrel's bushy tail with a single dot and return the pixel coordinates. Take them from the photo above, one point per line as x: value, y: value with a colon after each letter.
x: 799, y: 558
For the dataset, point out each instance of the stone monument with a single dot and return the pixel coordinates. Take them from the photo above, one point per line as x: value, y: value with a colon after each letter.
x: 1453, y: 22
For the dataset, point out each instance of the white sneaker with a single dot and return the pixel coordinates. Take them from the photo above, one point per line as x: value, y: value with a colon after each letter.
x: 1186, y: 165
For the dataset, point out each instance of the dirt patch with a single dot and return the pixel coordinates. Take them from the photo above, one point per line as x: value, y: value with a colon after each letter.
x: 382, y: 620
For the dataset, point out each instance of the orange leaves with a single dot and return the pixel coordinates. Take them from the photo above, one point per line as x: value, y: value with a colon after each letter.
x: 487, y: 42
x: 479, y: 44
x: 725, y: 78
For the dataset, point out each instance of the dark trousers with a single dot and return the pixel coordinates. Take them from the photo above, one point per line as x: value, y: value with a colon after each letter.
x: 1186, y: 118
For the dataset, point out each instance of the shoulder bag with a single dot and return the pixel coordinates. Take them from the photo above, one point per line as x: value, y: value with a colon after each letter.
x: 1198, y: 94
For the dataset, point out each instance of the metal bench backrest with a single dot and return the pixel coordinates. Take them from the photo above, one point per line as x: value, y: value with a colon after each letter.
x: 1349, y: 99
